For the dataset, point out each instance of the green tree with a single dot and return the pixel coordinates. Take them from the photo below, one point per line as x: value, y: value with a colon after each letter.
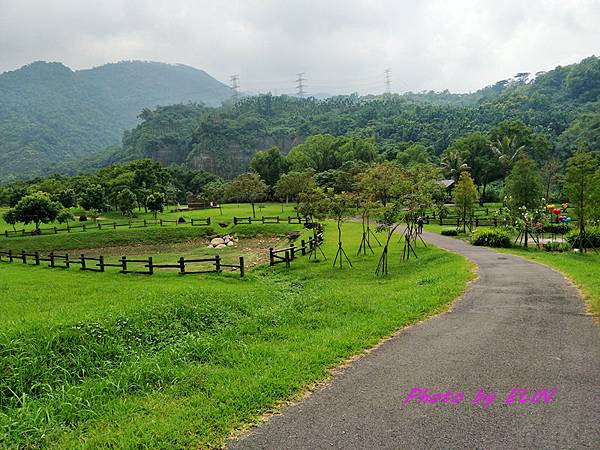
x: 156, y: 203
x: 126, y: 202
x: 581, y: 185
x: 67, y: 198
x: 415, y: 154
x: 37, y: 208
x: 291, y: 184
x: 215, y: 191
x: 248, y: 188
x: 466, y: 197
x: 93, y: 197
x: 380, y: 180
x: 524, y: 184
x: 269, y: 164
x: 10, y: 217
x: 65, y: 216
x: 313, y: 204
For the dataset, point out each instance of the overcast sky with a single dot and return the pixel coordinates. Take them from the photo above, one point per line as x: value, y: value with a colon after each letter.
x: 342, y: 46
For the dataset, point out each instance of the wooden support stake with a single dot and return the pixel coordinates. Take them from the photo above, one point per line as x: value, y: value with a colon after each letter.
x: 271, y: 262
x: 150, y: 267
x: 101, y: 263
x: 124, y: 264
x: 67, y: 262
x: 218, y: 264
x: 82, y: 259
x: 181, y: 266
x: 241, y: 267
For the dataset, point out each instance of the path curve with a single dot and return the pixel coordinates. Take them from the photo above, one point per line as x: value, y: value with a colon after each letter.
x: 520, y: 324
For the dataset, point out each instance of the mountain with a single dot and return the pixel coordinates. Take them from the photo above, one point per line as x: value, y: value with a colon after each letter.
x: 51, y: 115
x: 561, y: 106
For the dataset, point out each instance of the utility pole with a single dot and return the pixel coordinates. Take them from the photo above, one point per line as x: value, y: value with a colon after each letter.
x: 235, y: 85
x: 388, y: 81
x: 300, y: 84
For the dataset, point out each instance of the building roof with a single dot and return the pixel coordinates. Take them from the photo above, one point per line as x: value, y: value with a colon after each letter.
x: 448, y: 183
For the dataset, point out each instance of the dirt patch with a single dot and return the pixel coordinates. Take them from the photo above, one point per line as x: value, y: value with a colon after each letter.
x: 254, y: 250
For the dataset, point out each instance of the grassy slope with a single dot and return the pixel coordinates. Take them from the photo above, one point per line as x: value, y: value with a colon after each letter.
x: 124, y: 360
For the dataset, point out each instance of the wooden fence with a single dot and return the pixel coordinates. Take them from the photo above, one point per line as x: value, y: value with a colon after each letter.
x: 125, y: 264
x: 288, y: 254
x: 146, y: 223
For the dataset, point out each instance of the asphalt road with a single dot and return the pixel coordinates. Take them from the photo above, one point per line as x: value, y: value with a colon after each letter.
x: 520, y: 325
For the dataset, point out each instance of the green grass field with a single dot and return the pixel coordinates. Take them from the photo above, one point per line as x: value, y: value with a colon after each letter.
x: 111, y: 360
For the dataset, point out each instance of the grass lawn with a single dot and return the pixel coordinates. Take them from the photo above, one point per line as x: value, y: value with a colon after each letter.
x: 110, y: 360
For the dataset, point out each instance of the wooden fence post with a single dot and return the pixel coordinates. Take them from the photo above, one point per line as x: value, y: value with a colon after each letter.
x: 292, y: 251
x: 181, y: 266
x: 271, y: 256
x: 55, y: 232
x: 218, y: 264
x: 241, y: 267
x: 303, y: 247
x: 51, y: 255
x: 101, y: 263
x: 124, y: 264
x: 84, y: 227
x: 82, y: 259
x: 145, y: 223
x: 287, y: 259
x: 23, y: 257
x: 150, y: 267
x: 37, y: 258
x: 10, y: 256
x: 67, y: 262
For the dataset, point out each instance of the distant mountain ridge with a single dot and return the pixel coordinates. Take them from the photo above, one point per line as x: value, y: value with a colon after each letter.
x: 51, y: 114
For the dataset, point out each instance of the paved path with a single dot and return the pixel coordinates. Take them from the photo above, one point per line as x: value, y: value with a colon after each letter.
x: 519, y: 325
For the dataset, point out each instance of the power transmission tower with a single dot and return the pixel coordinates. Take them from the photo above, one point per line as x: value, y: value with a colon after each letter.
x: 388, y: 80
x: 235, y: 85
x: 300, y: 84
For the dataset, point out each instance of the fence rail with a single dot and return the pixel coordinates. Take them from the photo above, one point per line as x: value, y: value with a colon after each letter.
x: 146, y: 223
x: 99, y: 264
x: 288, y: 254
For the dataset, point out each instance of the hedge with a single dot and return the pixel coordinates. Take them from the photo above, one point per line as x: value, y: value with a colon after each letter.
x: 494, y: 237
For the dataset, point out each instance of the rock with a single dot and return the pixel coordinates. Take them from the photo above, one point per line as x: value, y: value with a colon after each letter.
x: 209, y: 246
x: 221, y: 246
x: 217, y: 241
x: 230, y: 244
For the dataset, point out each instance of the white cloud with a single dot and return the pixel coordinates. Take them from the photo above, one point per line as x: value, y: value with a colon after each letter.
x: 343, y: 46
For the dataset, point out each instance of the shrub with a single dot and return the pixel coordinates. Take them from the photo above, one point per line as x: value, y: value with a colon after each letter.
x: 557, y: 247
x: 593, y: 238
x: 449, y: 232
x: 556, y: 228
x: 494, y: 237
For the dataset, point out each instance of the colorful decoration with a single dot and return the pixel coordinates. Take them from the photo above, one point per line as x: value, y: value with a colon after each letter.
x: 557, y: 211
x: 550, y: 207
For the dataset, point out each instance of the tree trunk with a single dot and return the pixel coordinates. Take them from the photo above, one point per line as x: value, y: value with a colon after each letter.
x: 253, y: 211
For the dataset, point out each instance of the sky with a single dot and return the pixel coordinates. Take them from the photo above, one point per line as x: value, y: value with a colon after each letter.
x: 341, y: 46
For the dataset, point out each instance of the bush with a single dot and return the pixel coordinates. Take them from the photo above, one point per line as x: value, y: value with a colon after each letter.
x: 557, y: 247
x: 449, y: 232
x: 556, y: 228
x: 494, y: 237
x: 592, y: 241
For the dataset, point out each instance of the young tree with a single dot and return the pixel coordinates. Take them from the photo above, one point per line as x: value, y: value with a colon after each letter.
x: 126, y: 202
x: 248, y: 188
x: 550, y: 173
x: 314, y: 205
x: 524, y: 184
x: 64, y: 216
x: 340, y: 207
x: 581, y: 185
x: 466, y: 197
x: 215, y: 191
x: 156, y: 203
x: 379, y: 181
x: 37, y: 208
x: 10, y: 217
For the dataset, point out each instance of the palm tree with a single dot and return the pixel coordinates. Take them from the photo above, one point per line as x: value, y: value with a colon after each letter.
x: 453, y: 164
x: 506, y: 150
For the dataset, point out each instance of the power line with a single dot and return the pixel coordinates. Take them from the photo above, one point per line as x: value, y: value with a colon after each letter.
x: 235, y: 85
x: 388, y: 81
x: 300, y: 84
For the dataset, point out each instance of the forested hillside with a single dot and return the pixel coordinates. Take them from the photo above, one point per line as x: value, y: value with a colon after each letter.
x: 561, y: 106
x: 51, y: 115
